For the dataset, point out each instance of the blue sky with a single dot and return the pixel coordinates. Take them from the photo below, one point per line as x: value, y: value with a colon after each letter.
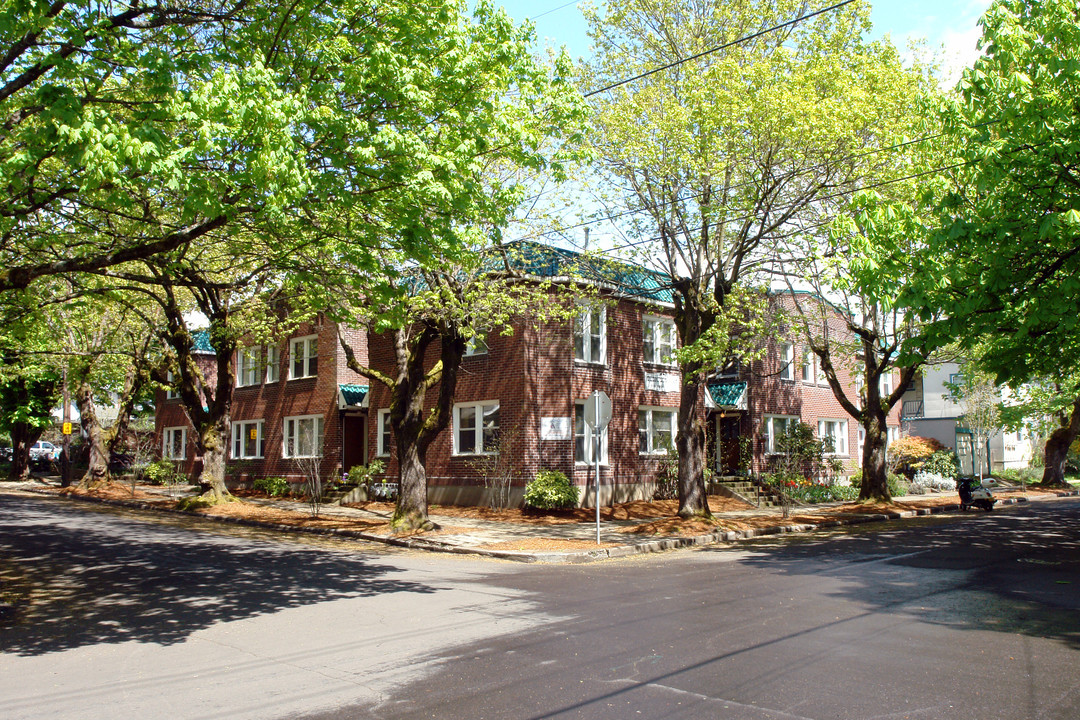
x: 948, y: 23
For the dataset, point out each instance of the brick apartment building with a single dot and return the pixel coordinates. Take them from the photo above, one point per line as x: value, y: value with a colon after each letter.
x: 520, y: 398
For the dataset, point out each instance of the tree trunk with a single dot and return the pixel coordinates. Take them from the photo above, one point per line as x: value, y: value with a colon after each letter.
x: 98, y: 470
x: 211, y: 443
x: 23, y: 437
x: 690, y: 444
x: 411, y: 513
x: 1057, y: 448
x: 875, y: 473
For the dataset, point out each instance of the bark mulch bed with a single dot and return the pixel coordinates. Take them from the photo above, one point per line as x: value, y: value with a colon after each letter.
x: 635, y: 510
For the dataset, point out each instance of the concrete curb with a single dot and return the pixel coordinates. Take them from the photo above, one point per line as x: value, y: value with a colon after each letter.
x: 552, y: 558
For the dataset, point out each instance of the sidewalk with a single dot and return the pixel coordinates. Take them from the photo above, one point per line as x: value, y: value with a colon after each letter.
x: 563, y: 542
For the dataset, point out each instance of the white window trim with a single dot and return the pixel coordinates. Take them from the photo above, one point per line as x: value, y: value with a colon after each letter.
x: 580, y: 321
x: 238, y: 440
x: 247, y: 366
x: 302, y: 342
x: 770, y: 430
x: 660, y: 325
x: 806, y: 368
x: 273, y: 364
x: 840, y: 449
x: 787, y: 362
x: 478, y: 430
x: 651, y: 410
x: 320, y: 437
x: 167, y: 435
x: 588, y: 462
x: 382, y: 428
x: 170, y: 391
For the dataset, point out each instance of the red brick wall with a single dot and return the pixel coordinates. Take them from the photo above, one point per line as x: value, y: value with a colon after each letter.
x: 274, y: 401
x: 533, y: 375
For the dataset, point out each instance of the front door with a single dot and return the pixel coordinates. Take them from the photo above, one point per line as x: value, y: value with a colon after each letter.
x: 727, y: 450
x: 354, y: 441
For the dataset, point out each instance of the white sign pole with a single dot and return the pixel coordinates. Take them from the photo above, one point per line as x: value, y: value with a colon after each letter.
x: 597, y: 416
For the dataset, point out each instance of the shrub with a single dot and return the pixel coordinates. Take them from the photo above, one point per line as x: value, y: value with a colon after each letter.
x: 550, y: 490
x: 898, y: 485
x: 272, y: 486
x: 163, y: 472
x: 943, y: 463
x: 908, y: 454
x: 931, y: 481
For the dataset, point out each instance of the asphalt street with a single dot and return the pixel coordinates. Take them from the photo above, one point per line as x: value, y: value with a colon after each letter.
x: 958, y: 616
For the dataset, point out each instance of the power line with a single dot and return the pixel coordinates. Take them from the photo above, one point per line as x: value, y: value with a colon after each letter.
x: 873, y: 186
x: 718, y: 48
x: 624, y: 213
x: 548, y: 12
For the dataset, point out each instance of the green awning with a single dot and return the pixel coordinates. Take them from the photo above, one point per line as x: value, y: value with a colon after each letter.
x: 352, y: 396
x: 728, y: 395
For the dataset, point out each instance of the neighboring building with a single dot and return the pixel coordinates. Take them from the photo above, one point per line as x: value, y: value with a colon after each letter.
x: 929, y: 410
x: 521, y: 398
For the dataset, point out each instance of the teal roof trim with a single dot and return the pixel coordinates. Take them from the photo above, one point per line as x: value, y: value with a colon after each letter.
x: 728, y: 394
x: 548, y: 261
x: 353, y: 395
x: 202, y: 342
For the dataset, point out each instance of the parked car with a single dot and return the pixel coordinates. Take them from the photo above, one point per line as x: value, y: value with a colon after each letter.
x: 44, y: 450
x: 6, y: 453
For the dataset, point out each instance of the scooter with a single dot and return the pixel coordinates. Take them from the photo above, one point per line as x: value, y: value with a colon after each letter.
x: 972, y: 495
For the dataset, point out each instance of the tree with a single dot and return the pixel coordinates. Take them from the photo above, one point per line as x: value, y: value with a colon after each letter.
x: 91, y: 96
x: 727, y: 153
x: 1010, y: 227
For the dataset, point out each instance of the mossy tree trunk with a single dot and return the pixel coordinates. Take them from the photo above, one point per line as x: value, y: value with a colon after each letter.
x: 413, y: 424
x: 1057, y: 448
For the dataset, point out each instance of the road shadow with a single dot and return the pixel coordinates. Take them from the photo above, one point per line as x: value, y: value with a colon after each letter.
x: 1016, y: 570
x: 69, y: 579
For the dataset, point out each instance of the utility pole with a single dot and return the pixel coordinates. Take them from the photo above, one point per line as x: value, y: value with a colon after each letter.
x: 65, y: 454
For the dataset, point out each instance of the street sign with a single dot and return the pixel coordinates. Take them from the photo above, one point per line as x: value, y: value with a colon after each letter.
x: 66, y: 428
x: 598, y: 410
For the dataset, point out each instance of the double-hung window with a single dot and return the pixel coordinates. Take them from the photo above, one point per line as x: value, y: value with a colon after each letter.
x: 590, y: 335
x: 247, y: 439
x: 787, y: 361
x: 885, y: 384
x: 174, y: 446
x: 476, y: 428
x: 807, y: 374
x: 775, y: 426
x: 656, y: 430
x: 658, y: 341
x: 273, y: 364
x: 303, y: 436
x: 583, y: 438
x: 248, y: 366
x: 382, y: 443
x: 835, y: 430
x: 171, y: 392
x: 477, y: 344
x: 304, y: 357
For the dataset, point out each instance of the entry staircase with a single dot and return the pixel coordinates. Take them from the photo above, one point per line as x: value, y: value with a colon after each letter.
x: 747, y: 490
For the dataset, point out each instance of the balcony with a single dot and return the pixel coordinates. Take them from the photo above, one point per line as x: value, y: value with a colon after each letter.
x: 912, y: 409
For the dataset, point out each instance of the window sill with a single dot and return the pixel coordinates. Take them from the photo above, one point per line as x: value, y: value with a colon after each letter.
x: 586, y: 465
x: 305, y: 377
x: 587, y: 364
x: 473, y: 454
